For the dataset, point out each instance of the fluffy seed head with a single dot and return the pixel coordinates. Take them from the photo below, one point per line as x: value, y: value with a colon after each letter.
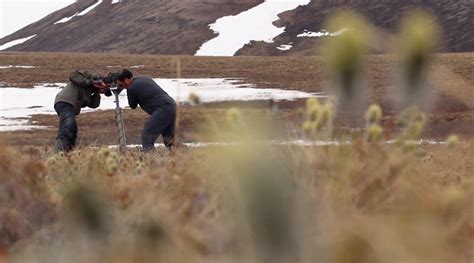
x: 419, y: 35
x: 194, y: 99
x: 312, y: 102
x: 234, y: 117
x: 373, y: 114
x: 452, y: 140
x: 345, y: 55
x: 374, y: 133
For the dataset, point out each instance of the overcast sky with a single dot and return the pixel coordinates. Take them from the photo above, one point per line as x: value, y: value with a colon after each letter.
x: 16, y: 14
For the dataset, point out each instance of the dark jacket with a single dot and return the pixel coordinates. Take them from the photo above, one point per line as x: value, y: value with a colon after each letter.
x: 80, y: 92
x: 146, y: 93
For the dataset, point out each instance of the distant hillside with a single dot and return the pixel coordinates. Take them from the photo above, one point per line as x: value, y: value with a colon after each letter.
x: 129, y: 26
x: 182, y: 26
x: 456, y: 18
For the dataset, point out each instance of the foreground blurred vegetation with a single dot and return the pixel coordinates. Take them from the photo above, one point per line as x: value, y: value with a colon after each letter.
x: 359, y: 199
x: 360, y: 202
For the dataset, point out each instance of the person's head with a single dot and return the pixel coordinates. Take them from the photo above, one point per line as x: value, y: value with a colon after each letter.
x: 124, y: 78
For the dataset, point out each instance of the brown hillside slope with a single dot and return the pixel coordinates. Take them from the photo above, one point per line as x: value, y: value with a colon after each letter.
x: 144, y: 26
x: 182, y: 26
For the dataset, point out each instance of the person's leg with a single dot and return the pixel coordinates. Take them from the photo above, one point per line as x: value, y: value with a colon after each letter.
x: 156, y: 124
x: 169, y: 132
x: 67, y: 132
x: 148, y: 141
x: 60, y: 144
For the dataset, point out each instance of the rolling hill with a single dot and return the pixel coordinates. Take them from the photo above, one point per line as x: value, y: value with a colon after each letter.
x: 182, y: 27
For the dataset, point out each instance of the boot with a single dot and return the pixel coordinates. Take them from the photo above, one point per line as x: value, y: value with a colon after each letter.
x: 58, y: 146
x: 61, y: 146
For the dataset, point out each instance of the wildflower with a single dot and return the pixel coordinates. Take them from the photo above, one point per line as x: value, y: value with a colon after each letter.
x: 139, y: 166
x: 309, y: 127
x: 194, y: 99
x: 326, y: 115
x: 415, y: 129
x: 373, y: 114
x: 111, y: 165
x: 346, y: 58
x: 314, y: 112
x: 104, y: 152
x: 374, y: 133
x: 413, y: 123
x: 452, y: 140
x: 234, y: 117
x: 312, y: 102
x: 419, y: 36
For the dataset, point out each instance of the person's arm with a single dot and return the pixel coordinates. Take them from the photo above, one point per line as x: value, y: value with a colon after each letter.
x: 81, y: 78
x: 95, y: 100
x: 132, y: 101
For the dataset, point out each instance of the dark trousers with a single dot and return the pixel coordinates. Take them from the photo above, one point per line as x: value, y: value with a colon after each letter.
x: 67, y: 132
x: 161, y: 122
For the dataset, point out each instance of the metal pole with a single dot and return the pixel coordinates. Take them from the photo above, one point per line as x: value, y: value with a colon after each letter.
x: 119, y: 120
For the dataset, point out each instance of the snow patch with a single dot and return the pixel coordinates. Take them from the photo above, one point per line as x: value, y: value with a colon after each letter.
x: 218, y: 90
x: 15, y: 42
x: 134, y: 66
x: 254, y: 24
x: 83, y: 12
x: 308, y: 143
x: 321, y: 33
x: 285, y: 47
x: 13, y: 66
x: 17, y: 105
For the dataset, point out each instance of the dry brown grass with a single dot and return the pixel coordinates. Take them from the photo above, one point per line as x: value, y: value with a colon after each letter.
x: 356, y: 203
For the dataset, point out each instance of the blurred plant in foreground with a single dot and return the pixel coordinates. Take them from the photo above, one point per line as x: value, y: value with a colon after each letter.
x: 318, y: 119
x: 373, y: 129
x: 417, y: 41
x: 251, y: 202
x: 346, y: 55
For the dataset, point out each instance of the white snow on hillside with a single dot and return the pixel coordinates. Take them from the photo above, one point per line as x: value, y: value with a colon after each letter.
x: 285, y: 47
x: 116, y: 1
x: 321, y: 33
x: 83, y: 12
x: 15, y: 42
x: 254, y: 24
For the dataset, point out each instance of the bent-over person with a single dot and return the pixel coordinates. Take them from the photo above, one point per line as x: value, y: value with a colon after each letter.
x: 83, y: 90
x: 156, y: 102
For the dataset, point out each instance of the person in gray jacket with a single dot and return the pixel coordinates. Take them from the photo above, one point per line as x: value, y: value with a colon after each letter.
x: 83, y: 90
x: 156, y: 102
